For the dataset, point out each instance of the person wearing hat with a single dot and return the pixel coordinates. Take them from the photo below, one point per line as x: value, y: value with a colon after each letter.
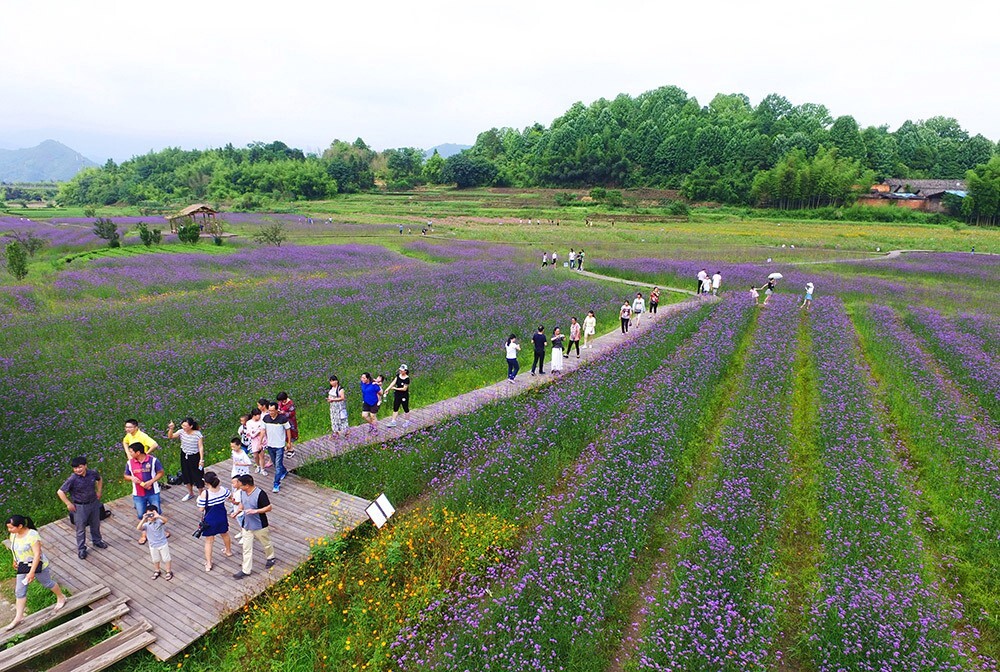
x: 400, y: 387
x: 808, y: 299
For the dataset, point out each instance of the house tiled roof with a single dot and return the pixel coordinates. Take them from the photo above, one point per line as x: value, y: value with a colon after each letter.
x: 923, y: 187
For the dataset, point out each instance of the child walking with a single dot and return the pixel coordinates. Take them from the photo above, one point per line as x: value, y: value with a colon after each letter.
x: 153, y: 526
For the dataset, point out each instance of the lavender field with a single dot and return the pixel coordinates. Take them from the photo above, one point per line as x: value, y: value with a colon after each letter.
x: 740, y: 488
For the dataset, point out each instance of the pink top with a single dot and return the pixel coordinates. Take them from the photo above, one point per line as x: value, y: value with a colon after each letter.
x: 574, y: 332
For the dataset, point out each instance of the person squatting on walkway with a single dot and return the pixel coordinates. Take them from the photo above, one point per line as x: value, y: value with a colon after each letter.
x: 81, y: 493
x: 254, y: 506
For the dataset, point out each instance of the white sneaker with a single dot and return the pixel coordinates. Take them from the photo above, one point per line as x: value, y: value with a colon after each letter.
x: 186, y: 497
x: 263, y: 472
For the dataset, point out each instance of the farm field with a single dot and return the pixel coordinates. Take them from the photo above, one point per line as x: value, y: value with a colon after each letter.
x: 741, y: 488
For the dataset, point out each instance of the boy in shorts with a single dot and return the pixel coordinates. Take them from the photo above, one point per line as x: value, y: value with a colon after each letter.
x: 153, y: 525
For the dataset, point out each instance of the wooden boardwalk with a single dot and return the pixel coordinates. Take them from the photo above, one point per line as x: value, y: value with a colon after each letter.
x: 195, y: 601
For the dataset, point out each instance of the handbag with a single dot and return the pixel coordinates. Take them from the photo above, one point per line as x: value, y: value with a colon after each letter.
x: 201, y: 523
x: 23, y: 567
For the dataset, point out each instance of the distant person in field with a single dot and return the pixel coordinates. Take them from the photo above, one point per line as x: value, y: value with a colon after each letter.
x: 81, y: 493
x: 400, y: 229
x: 135, y: 435
x: 579, y: 260
x: 625, y: 314
x: 337, y: 399
x: 706, y: 285
x: 702, y: 274
x: 369, y: 402
x: 257, y: 433
x: 192, y: 454
x: 768, y: 288
x: 252, y: 511
x: 716, y: 283
x: 572, y: 258
x: 545, y: 259
x: 30, y: 564
x: 539, y: 341
x: 400, y: 387
x: 638, y: 307
x: 555, y: 259
x: 557, y: 350
x: 589, y: 329
x: 511, y: 347
x: 574, y: 337
x: 755, y: 295
x: 287, y: 407
x: 279, y: 434
x: 808, y: 298
x: 144, y: 473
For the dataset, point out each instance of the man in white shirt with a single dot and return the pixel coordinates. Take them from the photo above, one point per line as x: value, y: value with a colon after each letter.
x: 716, y: 283
x: 702, y: 274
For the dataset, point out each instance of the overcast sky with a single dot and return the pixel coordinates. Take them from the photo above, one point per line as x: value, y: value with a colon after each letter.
x: 113, y: 79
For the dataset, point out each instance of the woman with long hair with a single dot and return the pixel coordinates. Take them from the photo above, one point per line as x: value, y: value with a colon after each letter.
x: 512, y: 347
x: 31, y: 564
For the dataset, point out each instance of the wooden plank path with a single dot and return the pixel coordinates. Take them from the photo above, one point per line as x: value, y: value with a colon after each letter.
x: 184, y: 609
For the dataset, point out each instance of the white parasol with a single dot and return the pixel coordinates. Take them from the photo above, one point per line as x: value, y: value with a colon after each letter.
x: 775, y: 276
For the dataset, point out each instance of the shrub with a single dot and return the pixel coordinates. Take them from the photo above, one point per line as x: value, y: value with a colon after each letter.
x: 679, y: 209
x: 271, y: 234
x: 145, y: 235
x: 107, y: 230
x: 29, y: 241
x: 17, y: 260
x: 189, y: 233
x: 90, y: 211
x: 565, y: 199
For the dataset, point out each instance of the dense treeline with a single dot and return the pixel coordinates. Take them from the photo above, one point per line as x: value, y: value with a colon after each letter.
x: 775, y: 154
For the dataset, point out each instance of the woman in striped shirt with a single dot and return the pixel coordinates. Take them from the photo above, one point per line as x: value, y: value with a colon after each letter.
x: 212, y: 501
x: 192, y: 454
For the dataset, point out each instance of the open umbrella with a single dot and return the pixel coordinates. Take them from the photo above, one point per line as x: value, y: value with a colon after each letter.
x: 775, y: 276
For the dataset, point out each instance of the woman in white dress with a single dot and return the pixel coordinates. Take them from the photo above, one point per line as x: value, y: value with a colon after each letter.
x: 589, y: 328
x: 557, y: 350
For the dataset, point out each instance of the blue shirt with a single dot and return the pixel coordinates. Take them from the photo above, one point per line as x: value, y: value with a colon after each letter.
x: 369, y: 393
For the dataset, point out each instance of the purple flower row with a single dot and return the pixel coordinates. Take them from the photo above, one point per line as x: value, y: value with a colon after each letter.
x: 548, y: 610
x: 717, y: 606
x: 875, y: 609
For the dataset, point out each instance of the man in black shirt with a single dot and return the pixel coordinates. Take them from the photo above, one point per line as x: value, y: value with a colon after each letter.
x: 81, y: 493
x: 539, y: 341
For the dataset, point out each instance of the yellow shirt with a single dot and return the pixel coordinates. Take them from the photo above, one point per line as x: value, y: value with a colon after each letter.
x: 22, y: 548
x: 139, y: 437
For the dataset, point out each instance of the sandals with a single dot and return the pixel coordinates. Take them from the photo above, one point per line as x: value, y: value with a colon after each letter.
x: 168, y: 576
x: 141, y: 542
x: 208, y: 567
x: 156, y: 575
x: 228, y: 555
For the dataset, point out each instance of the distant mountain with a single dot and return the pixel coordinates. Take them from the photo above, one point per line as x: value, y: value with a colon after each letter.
x: 445, y: 150
x: 50, y: 160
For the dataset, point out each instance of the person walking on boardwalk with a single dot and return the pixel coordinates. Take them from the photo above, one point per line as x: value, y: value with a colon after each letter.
x: 153, y: 527
x: 539, y: 341
x: 369, y: 402
x: 557, y: 350
x: 143, y: 472
x: 400, y: 387
x: 135, y: 435
x: 625, y: 314
x: 716, y: 283
x: 287, y: 408
x: 257, y: 432
x: 512, y: 348
x: 279, y: 433
x: 242, y: 462
x: 81, y: 493
x: 654, y: 300
x: 589, y: 329
x: 30, y: 563
x: 254, y: 506
x: 212, y: 501
x: 808, y: 298
x: 192, y: 454
x: 574, y: 337
x: 338, y: 408
x: 638, y: 307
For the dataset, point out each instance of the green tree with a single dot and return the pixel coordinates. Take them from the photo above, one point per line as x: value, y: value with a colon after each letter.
x: 433, y: 170
x: 846, y: 137
x: 106, y: 229
x: 982, y: 204
x: 272, y: 233
x: 467, y: 171
x: 17, y: 260
x: 189, y: 232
